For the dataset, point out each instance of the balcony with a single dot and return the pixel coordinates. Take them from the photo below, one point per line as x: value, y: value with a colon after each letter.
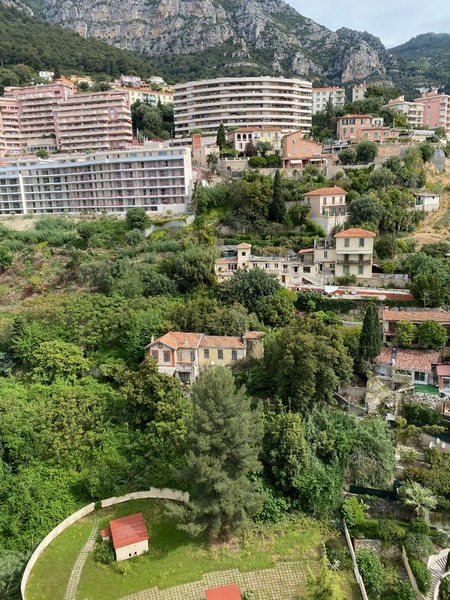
x: 353, y: 260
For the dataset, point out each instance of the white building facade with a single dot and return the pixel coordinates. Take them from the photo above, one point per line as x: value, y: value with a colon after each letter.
x: 158, y: 179
x: 321, y: 97
x: 242, y: 102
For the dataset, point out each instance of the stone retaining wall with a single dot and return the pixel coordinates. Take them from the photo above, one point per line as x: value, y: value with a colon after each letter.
x: 156, y: 493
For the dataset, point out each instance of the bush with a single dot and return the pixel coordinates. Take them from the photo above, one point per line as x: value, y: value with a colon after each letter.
x: 372, y: 571
x: 444, y: 589
x: 257, y: 161
x: 418, y: 546
x: 420, y: 413
x: 389, y: 531
x: 346, y: 280
x: 418, y: 525
x: 352, y: 512
x: 337, y: 554
x: 422, y: 575
x: 104, y: 553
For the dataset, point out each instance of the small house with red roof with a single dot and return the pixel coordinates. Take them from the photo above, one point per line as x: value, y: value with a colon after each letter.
x: 407, y: 365
x: 226, y: 592
x: 129, y: 536
x: 327, y: 207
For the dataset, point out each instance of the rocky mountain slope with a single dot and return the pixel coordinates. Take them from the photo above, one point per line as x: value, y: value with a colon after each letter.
x: 259, y: 36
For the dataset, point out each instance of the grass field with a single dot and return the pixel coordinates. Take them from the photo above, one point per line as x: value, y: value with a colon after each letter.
x: 174, y: 558
x: 50, y: 575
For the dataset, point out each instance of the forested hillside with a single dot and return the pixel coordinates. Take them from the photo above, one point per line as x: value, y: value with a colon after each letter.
x: 25, y: 39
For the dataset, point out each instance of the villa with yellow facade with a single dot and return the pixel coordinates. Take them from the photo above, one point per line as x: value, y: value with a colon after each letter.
x: 183, y: 355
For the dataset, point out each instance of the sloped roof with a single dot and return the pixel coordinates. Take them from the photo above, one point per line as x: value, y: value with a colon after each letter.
x: 177, y: 339
x: 403, y: 358
x: 254, y: 335
x: 325, y: 191
x: 416, y: 316
x: 221, y: 341
x: 128, y: 530
x: 443, y: 370
x: 244, y: 245
x: 385, y: 356
x: 355, y: 232
x: 227, y: 592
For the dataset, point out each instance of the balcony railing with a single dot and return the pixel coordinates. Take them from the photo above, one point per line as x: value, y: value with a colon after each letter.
x: 348, y: 260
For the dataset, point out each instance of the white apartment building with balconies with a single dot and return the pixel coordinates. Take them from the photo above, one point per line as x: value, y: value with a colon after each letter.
x: 321, y: 97
x: 413, y: 111
x: 242, y: 102
x: 156, y: 178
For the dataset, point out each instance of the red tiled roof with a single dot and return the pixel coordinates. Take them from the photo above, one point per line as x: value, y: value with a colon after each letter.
x: 416, y: 316
x: 443, y: 370
x: 227, y: 592
x: 221, y: 341
x: 128, y: 530
x: 419, y: 360
x: 177, y: 339
x: 254, y: 335
x: 385, y: 356
x: 105, y: 532
x: 355, y: 232
x: 325, y: 191
x: 306, y: 250
x: 244, y: 245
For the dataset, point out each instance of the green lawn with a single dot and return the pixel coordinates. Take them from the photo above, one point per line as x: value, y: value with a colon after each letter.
x: 174, y: 558
x: 426, y: 389
x: 50, y: 575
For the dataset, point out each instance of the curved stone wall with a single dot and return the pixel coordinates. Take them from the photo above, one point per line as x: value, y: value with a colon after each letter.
x: 155, y: 493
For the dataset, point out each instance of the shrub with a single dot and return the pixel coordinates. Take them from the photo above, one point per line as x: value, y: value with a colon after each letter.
x: 420, y: 413
x: 389, y: 531
x: 104, y: 553
x: 422, y: 575
x: 352, y: 512
x: 418, y: 546
x: 372, y: 571
x: 346, y: 280
x: 336, y: 554
x: 444, y: 589
x: 257, y: 161
x: 442, y: 538
x: 447, y: 562
x: 418, y: 525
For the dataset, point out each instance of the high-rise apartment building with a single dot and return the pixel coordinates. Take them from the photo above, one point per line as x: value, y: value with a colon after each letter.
x: 321, y: 97
x: 26, y: 120
x: 154, y: 177
x: 413, y: 111
x: 436, y: 109
x: 97, y: 121
x: 242, y: 102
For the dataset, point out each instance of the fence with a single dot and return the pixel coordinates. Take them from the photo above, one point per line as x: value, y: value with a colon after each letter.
x: 351, y: 408
x: 355, y: 564
x: 386, y: 494
x: 164, y: 494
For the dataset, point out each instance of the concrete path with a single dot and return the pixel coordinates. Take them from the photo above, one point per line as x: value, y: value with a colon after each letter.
x: 436, y: 564
x: 287, y: 581
x: 75, y: 576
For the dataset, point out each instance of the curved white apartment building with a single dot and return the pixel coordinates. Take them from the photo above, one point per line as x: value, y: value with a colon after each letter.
x: 242, y: 102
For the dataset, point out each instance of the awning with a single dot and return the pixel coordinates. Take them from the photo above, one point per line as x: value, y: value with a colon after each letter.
x: 167, y: 370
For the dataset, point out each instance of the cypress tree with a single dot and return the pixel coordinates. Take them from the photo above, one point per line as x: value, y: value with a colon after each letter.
x: 370, y: 340
x: 221, y: 138
x: 277, y: 208
x: 223, y: 445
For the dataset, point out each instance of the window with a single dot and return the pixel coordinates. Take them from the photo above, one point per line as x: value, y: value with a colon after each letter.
x: 192, y: 356
x: 346, y: 243
x: 361, y: 242
x: 267, y: 266
x: 234, y: 355
x: 419, y: 376
x: 184, y: 377
x: 155, y: 354
x: 324, y: 201
x: 243, y: 253
x: 166, y: 356
x: 275, y: 266
x: 360, y: 270
x: 206, y: 353
x: 346, y: 270
x: 220, y: 354
x: 325, y: 254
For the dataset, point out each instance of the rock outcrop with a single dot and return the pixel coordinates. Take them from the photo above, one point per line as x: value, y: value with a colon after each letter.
x: 267, y: 34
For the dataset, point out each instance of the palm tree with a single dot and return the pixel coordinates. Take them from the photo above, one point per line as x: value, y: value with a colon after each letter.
x: 420, y: 498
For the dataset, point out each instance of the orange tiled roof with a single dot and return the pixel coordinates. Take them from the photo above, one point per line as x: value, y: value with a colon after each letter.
x: 244, y: 245
x: 178, y: 339
x: 416, y: 316
x: 221, y: 341
x: 254, y: 335
x: 355, y: 232
x: 227, y: 592
x: 419, y: 360
x: 325, y: 191
x: 443, y: 370
x: 128, y: 530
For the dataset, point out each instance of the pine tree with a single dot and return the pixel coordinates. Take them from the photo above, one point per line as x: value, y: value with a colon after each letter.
x: 221, y: 139
x: 223, y: 445
x: 277, y: 208
x: 370, y: 340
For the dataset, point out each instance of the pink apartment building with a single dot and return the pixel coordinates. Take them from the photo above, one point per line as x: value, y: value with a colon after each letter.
x: 26, y: 116
x: 436, y: 109
x: 356, y: 128
x: 93, y: 121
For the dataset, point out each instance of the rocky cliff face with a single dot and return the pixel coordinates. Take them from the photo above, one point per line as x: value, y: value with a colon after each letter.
x: 266, y: 34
